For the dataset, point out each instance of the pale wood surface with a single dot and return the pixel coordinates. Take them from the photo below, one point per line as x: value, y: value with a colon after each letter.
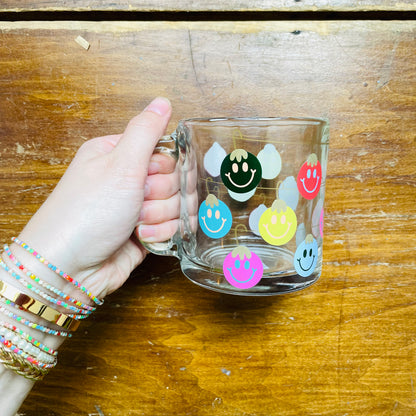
x: 163, y: 346
x: 210, y: 5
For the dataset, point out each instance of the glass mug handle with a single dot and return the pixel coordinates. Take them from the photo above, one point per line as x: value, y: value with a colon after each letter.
x: 167, y: 145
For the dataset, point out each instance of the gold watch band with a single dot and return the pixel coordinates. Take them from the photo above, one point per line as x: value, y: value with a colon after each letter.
x: 36, y: 307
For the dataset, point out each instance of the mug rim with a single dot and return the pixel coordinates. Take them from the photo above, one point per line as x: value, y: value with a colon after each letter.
x: 256, y: 120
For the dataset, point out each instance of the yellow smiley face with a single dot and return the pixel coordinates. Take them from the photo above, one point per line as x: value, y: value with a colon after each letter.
x: 277, y: 225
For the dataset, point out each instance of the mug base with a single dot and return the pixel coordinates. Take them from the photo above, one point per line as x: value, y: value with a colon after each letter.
x: 275, y: 280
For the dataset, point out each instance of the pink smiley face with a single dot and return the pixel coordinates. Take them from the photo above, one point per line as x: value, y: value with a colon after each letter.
x: 242, y: 268
x: 310, y: 177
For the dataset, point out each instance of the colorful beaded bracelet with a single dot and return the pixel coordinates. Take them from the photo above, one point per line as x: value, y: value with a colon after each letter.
x: 36, y: 307
x: 36, y: 290
x: 47, y: 286
x: 27, y: 337
x: 19, y: 365
x: 9, y: 346
x: 28, y: 323
x: 33, y: 354
x: 58, y: 271
x: 34, y: 357
x: 44, y: 295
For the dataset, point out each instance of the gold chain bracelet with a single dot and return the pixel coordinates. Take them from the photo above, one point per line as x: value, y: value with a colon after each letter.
x: 20, y: 366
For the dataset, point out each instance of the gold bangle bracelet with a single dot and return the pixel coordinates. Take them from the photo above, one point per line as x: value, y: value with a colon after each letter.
x: 32, y: 305
x: 20, y: 366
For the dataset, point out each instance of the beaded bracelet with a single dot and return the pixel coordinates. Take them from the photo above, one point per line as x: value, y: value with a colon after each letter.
x: 43, y: 294
x: 20, y: 366
x: 26, y: 337
x: 28, y: 323
x: 19, y: 279
x: 47, y: 286
x: 29, y: 356
x: 57, y: 270
x: 37, y: 308
x: 10, y: 339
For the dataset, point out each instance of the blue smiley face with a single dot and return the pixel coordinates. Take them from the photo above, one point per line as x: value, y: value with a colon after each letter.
x: 215, y: 217
x: 306, y: 256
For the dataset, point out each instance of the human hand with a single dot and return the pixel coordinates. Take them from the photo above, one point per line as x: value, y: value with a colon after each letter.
x: 86, y: 226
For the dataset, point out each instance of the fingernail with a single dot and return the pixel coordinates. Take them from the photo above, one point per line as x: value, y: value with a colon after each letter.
x: 146, y: 191
x: 142, y: 214
x: 160, y: 106
x: 146, y: 232
x: 154, y: 167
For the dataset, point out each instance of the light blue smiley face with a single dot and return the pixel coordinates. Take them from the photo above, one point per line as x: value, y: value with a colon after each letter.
x: 306, y: 256
x: 215, y: 217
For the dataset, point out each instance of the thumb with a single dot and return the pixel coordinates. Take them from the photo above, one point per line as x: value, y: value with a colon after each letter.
x: 138, y: 141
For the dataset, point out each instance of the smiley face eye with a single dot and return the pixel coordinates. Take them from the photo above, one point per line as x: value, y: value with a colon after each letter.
x: 237, y: 264
x: 314, y: 173
x: 273, y: 220
x: 283, y: 219
x: 310, y: 253
x: 234, y: 167
x: 305, y: 253
x: 209, y: 213
x: 246, y: 264
x: 217, y: 214
x: 308, y: 173
x: 245, y: 167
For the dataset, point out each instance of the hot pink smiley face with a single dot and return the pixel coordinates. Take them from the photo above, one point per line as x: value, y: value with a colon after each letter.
x: 310, y: 177
x: 242, y: 268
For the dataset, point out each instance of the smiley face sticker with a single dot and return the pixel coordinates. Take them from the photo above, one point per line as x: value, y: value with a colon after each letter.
x: 241, y: 171
x: 306, y: 256
x: 310, y: 177
x: 278, y: 223
x: 242, y: 268
x: 215, y: 217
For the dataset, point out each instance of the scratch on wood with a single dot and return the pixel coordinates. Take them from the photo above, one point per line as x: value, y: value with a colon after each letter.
x: 31, y: 189
x: 100, y: 412
x: 193, y: 62
x: 387, y: 68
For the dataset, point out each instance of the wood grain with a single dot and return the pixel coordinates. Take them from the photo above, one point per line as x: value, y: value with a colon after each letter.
x: 209, y: 5
x: 163, y: 346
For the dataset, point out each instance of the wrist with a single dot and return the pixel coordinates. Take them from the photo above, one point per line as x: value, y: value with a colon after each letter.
x: 56, y: 266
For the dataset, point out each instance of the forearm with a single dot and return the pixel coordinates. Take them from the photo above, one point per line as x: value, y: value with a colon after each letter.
x: 17, y: 324
x: 14, y: 389
x: 86, y: 228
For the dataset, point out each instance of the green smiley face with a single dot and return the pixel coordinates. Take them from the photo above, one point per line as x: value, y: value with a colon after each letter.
x: 241, y: 171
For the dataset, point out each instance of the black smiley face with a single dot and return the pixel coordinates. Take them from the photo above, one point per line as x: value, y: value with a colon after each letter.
x: 241, y: 171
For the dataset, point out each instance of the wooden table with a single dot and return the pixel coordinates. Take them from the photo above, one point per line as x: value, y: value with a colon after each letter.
x: 161, y: 345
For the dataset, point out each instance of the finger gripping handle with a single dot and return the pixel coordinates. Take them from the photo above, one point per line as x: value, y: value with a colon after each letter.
x: 167, y: 145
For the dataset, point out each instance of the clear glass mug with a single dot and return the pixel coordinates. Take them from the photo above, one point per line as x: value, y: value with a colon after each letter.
x: 252, y: 196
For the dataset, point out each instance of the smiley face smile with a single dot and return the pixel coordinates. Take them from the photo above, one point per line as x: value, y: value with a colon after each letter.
x: 253, y: 171
x: 307, y: 190
x: 300, y: 264
x: 266, y: 226
x: 241, y: 281
x: 214, y: 231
